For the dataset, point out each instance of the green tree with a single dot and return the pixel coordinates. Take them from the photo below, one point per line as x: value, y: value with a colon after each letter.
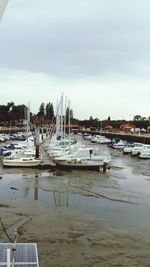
x: 42, y: 110
x: 4, y: 113
x: 137, y: 118
x: 49, y: 111
x: 10, y: 104
x: 18, y: 112
x: 67, y: 114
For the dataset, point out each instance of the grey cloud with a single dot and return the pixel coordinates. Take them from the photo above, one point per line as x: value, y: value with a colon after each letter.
x: 77, y: 37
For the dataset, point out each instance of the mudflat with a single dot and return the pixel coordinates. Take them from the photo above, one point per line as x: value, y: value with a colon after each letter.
x: 81, y: 218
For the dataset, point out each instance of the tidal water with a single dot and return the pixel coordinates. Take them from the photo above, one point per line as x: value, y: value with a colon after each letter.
x: 121, y: 197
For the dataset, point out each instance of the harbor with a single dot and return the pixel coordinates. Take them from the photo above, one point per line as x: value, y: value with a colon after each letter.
x: 80, y: 198
x: 87, y: 217
x: 74, y: 133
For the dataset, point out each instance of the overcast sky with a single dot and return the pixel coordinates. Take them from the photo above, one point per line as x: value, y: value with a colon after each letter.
x: 95, y: 51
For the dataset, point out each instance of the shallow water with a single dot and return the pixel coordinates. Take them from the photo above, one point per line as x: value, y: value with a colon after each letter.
x: 121, y: 197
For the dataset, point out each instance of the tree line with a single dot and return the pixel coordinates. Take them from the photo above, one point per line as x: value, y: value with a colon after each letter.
x: 12, y: 114
x: 17, y: 114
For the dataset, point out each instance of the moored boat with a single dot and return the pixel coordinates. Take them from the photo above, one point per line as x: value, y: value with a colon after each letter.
x: 80, y: 164
x: 145, y: 155
x: 120, y: 145
x: 137, y: 150
x: 22, y: 161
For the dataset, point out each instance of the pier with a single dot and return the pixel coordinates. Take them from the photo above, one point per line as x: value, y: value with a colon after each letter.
x: 46, y: 163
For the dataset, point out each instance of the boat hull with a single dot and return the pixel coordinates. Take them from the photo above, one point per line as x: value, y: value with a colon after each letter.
x: 9, y: 163
x: 79, y: 166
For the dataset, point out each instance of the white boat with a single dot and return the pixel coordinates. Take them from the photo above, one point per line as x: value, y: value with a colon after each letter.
x: 83, y: 159
x: 137, y: 150
x: 128, y: 149
x: 21, y: 161
x: 133, y: 148
x: 145, y: 154
x: 82, y: 164
x: 104, y: 141
x: 99, y: 139
x: 95, y: 138
x: 68, y: 158
x: 120, y: 145
x: 87, y: 137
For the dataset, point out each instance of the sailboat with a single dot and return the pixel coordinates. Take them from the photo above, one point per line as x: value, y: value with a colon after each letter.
x: 61, y: 142
x: 26, y: 156
x: 21, y: 161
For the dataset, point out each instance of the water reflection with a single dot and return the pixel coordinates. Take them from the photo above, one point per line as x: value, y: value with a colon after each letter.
x: 36, y: 187
x: 61, y: 199
x: 88, y: 192
x: 26, y: 193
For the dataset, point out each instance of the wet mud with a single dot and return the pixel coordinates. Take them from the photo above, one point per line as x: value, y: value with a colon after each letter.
x: 81, y: 218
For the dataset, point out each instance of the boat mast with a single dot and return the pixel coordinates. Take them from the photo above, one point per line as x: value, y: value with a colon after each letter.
x: 65, y: 117
x: 61, y: 124
x: 69, y: 120
x: 28, y: 120
x: 57, y: 120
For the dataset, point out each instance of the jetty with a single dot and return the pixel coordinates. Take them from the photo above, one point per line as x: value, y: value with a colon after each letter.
x: 46, y: 163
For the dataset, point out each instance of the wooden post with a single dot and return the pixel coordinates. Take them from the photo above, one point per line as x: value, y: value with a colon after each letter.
x: 90, y: 151
x: 37, y: 143
x: 104, y: 167
x: 36, y: 187
x: 37, y: 152
x: 42, y: 131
